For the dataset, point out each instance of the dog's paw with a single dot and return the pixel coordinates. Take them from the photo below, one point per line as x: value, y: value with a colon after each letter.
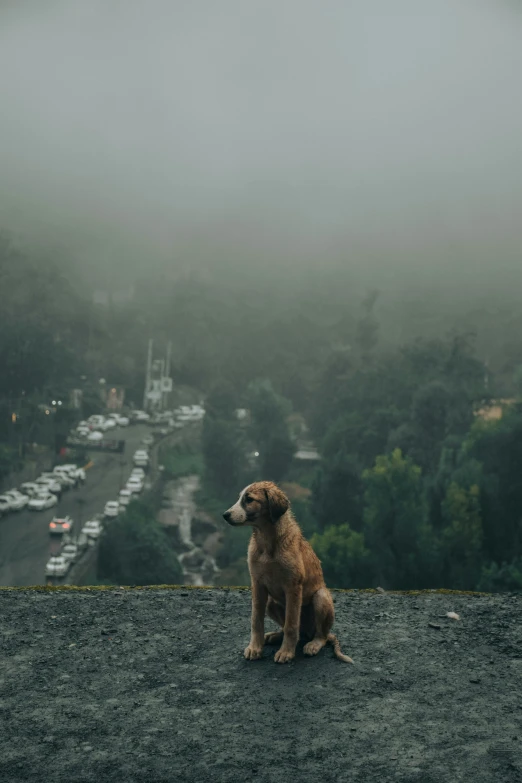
x: 284, y: 656
x: 253, y: 653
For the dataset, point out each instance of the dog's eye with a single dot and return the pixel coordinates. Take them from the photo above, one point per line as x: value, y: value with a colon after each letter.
x: 249, y: 499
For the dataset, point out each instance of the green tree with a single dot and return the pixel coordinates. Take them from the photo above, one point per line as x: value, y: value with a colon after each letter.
x: 346, y: 561
x: 134, y: 549
x: 338, y: 492
x: 497, y: 447
x: 223, y: 445
x: 461, y: 538
x: 396, y: 529
x: 269, y: 429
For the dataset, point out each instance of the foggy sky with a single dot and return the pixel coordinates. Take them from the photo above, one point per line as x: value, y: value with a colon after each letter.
x: 174, y: 131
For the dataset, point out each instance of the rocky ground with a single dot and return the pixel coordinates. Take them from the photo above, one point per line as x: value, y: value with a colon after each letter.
x: 151, y: 685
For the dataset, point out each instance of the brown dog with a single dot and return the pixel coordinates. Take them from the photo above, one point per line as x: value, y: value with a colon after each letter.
x: 286, y: 574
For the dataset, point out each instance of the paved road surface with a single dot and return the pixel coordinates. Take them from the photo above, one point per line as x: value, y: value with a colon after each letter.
x: 151, y: 685
x: 25, y: 543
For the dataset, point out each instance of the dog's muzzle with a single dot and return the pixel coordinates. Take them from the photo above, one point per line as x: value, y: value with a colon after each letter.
x: 227, y: 516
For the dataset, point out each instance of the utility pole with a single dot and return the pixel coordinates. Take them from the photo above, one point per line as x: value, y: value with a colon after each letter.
x: 147, y: 375
x: 165, y: 394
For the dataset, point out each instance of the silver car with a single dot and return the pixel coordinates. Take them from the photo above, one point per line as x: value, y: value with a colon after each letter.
x: 57, y: 566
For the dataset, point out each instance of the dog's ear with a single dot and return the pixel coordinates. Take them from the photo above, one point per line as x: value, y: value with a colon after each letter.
x: 278, y: 503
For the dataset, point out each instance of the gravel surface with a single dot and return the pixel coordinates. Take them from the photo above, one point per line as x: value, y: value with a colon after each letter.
x: 151, y: 685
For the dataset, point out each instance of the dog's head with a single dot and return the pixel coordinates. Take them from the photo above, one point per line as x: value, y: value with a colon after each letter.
x: 258, y: 503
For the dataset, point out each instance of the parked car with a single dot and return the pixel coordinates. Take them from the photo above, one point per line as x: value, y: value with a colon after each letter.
x: 140, y: 416
x: 42, y: 501
x: 125, y: 497
x: 138, y: 472
x: 190, y: 412
x: 72, y: 472
x: 92, y: 528
x: 70, y: 552
x: 95, y: 436
x: 66, y: 477
x: 57, y: 566
x: 121, y: 421
x: 30, y: 488
x: 18, y: 501
x: 109, y: 423
x: 65, y: 481
x: 134, y: 484
x: 141, y: 458
x: 148, y: 440
x: 49, y: 484
x: 112, y: 508
x: 60, y: 525
x: 83, y: 432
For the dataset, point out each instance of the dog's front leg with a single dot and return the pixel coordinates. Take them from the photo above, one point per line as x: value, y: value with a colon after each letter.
x: 294, y: 599
x: 257, y: 636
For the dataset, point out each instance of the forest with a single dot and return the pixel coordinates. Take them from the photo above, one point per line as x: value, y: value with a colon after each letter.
x: 415, y: 486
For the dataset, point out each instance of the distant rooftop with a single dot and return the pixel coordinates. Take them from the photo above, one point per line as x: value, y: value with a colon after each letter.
x: 135, y: 685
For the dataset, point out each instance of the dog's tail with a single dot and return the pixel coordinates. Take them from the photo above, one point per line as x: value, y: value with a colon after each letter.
x: 334, y: 641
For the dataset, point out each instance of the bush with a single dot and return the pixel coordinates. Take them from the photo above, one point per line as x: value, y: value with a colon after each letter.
x: 344, y: 557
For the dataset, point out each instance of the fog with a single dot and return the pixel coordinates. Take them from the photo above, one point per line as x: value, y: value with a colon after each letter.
x: 165, y: 134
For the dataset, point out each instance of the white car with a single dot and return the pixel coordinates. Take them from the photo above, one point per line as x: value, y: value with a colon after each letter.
x: 148, y: 440
x: 57, y: 566
x: 72, y: 473
x: 70, y: 552
x: 60, y: 526
x: 139, y: 472
x: 5, y: 504
x: 73, y: 470
x: 121, y: 421
x: 95, y: 436
x: 134, y: 484
x: 92, y: 528
x: 42, y: 501
x: 83, y: 432
x: 112, y: 508
x: 18, y: 500
x: 109, y: 423
x: 141, y: 416
x: 30, y: 488
x: 125, y: 497
x: 65, y: 481
x: 141, y: 458
x: 49, y: 485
